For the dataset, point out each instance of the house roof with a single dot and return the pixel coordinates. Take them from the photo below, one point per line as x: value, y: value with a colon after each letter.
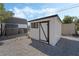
x: 45, y: 18
x: 16, y: 20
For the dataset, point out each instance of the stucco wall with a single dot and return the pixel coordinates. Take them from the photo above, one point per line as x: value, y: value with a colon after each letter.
x: 68, y: 29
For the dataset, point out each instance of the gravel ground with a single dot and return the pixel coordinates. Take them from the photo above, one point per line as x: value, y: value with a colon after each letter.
x: 22, y: 46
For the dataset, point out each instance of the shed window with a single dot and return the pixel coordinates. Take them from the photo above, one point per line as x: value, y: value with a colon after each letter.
x: 34, y: 25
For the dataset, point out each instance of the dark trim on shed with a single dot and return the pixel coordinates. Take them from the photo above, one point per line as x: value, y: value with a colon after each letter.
x: 45, y: 18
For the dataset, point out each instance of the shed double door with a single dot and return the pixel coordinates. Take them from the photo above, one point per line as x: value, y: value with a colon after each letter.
x: 44, y: 31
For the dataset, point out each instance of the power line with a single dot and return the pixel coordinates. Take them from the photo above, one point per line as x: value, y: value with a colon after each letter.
x: 67, y: 8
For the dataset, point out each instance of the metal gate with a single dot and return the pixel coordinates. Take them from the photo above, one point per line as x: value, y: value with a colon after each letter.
x: 44, y: 31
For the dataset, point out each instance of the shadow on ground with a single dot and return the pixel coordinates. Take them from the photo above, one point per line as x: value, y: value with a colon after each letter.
x: 11, y: 37
x: 64, y: 47
x: 1, y: 43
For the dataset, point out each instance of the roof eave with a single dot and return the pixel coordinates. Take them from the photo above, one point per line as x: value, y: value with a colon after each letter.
x: 43, y: 18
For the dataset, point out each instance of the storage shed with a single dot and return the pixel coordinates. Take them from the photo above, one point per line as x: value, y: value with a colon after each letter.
x: 46, y: 29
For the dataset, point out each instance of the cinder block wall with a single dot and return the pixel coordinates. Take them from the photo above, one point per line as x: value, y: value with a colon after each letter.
x: 68, y: 29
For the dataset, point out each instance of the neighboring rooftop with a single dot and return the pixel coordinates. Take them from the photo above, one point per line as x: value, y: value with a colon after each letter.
x: 17, y: 20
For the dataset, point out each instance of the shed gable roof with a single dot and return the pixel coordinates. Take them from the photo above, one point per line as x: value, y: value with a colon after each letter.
x: 45, y: 18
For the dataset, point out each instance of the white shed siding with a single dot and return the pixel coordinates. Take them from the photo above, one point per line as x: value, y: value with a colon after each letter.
x: 55, y: 31
x: 34, y: 33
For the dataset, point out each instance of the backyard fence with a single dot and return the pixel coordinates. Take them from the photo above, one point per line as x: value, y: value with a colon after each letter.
x: 68, y: 29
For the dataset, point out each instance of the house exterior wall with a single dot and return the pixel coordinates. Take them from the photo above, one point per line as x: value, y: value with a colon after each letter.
x: 54, y: 31
x: 68, y: 29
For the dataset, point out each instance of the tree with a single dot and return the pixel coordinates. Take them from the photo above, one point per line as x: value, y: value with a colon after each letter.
x: 4, y: 15
x: 68, y: 19
x: 76, y: 21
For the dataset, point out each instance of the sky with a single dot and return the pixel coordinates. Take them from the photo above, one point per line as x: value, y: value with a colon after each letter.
x: 32, y: 11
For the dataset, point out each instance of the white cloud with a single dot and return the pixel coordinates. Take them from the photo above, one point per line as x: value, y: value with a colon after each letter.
x: 30, y: 13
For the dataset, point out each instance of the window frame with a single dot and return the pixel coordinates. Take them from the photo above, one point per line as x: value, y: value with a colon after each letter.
x: 34, y: 25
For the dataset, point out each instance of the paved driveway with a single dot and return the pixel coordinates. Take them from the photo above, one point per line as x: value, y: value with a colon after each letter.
x: 22, y: 46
